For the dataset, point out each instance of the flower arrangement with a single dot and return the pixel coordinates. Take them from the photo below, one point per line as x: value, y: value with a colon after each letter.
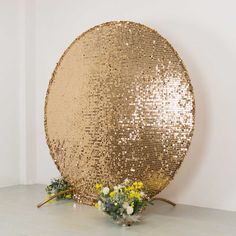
x: 58, y: 189
x: 124, y: 202
x: 57, y: 186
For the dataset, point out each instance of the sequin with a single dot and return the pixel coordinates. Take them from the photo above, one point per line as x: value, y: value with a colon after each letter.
x: 119, y: 105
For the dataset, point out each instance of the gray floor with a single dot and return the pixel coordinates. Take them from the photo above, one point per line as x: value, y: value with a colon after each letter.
x: 19, y: 216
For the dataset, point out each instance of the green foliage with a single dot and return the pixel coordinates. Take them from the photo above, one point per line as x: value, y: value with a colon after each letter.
x: 59, y: 185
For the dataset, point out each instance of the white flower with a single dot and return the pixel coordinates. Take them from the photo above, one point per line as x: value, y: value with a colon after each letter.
x: 129, y: 210
x: 126, y: 181
x: 120, y: 186
x: 142, y: 194
x: 125, y: 205
x: 99, y: 205
x: 105, y: 190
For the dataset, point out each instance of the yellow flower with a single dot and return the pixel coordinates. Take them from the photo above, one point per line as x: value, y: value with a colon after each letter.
x: 97, y: 205
x: 134, y: 195
x: 137, y: 185
x: 98, y: 186
x: 131, y: 195
x: 112, y: 194
x: 137, y: 195
x: 68, y: 196
x: 140, y: 185
x: 129, y: 188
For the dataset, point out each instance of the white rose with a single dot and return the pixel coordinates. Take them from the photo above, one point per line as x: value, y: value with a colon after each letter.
x: 129, y: 210
x: 105, y: 190
x: 125, y: 205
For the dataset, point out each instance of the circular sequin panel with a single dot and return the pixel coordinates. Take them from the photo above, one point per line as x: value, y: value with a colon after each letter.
x: 119, y: 105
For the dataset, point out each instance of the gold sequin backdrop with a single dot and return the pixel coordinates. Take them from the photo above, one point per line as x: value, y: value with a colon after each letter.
x: 119, y: 105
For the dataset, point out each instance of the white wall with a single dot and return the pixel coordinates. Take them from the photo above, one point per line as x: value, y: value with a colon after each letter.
x: 17, y: 92
x: 10, y: 70
x: 204, y: 34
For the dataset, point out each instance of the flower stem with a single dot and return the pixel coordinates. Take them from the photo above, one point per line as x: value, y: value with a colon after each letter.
x: 54, y: 196
x: 164, y: 200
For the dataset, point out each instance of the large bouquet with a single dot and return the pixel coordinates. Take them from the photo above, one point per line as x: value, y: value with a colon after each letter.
x: 123, y: 202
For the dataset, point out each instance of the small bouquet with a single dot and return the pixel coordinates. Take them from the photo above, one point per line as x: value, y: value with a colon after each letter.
x: 124, y: 202
x: 58, y: 189
x: 59, y: 186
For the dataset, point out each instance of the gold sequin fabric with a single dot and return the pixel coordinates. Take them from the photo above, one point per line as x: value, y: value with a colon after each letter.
x: 119, y: 105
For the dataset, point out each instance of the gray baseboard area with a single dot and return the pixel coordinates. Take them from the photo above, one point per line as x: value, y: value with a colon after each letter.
x: 19, y: 216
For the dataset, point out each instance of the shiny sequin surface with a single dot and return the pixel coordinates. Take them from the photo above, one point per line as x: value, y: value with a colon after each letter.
x: 119, y: 105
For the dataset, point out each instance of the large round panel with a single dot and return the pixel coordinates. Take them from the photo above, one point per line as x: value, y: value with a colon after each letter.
x: 119, y: 105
